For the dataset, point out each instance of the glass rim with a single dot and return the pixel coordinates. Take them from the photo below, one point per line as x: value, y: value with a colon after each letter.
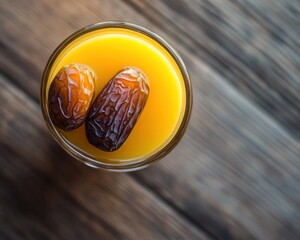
x: 127, y: 166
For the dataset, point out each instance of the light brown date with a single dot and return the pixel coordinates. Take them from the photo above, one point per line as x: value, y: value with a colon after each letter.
x: 116, y: 109
x: 70, y: 95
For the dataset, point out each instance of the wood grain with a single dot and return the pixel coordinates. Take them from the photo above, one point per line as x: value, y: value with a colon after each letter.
x: 261, y: 62
x: 252, y: 48
x: 236, y: 168
x: 234, y: 175
x: 47, y: 195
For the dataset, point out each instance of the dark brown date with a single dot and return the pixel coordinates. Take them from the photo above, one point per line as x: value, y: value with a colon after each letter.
x: 70, y: 95
x: 116, y: 109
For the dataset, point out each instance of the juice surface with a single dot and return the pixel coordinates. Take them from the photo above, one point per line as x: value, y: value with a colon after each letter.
x: 107, y: 51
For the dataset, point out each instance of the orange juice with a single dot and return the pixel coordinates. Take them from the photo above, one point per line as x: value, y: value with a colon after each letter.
x: 109, y: 50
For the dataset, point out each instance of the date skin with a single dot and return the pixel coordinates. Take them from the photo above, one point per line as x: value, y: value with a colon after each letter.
x: 116, y: 109
x: 70, y: 95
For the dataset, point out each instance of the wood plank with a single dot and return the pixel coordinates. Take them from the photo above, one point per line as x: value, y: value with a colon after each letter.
x: 260, y: 58
x: 46, y: 195
x: 236, y: 168
x: 249, y: 55
x: 280, y: 18
x: 235, y: 173
x: 262, y: 63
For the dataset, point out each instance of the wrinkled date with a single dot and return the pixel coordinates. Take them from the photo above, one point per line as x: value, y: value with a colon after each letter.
x: 116, y: 109
x: 70, y: 95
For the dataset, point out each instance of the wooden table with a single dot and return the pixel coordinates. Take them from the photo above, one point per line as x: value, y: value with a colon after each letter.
x: 235, y: 174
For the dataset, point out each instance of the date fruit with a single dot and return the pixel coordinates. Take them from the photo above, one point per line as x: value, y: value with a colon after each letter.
x: 116, y: 109
x: 70, y: 95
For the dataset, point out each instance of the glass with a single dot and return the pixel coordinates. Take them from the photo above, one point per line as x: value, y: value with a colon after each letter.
x: 81, y: 155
